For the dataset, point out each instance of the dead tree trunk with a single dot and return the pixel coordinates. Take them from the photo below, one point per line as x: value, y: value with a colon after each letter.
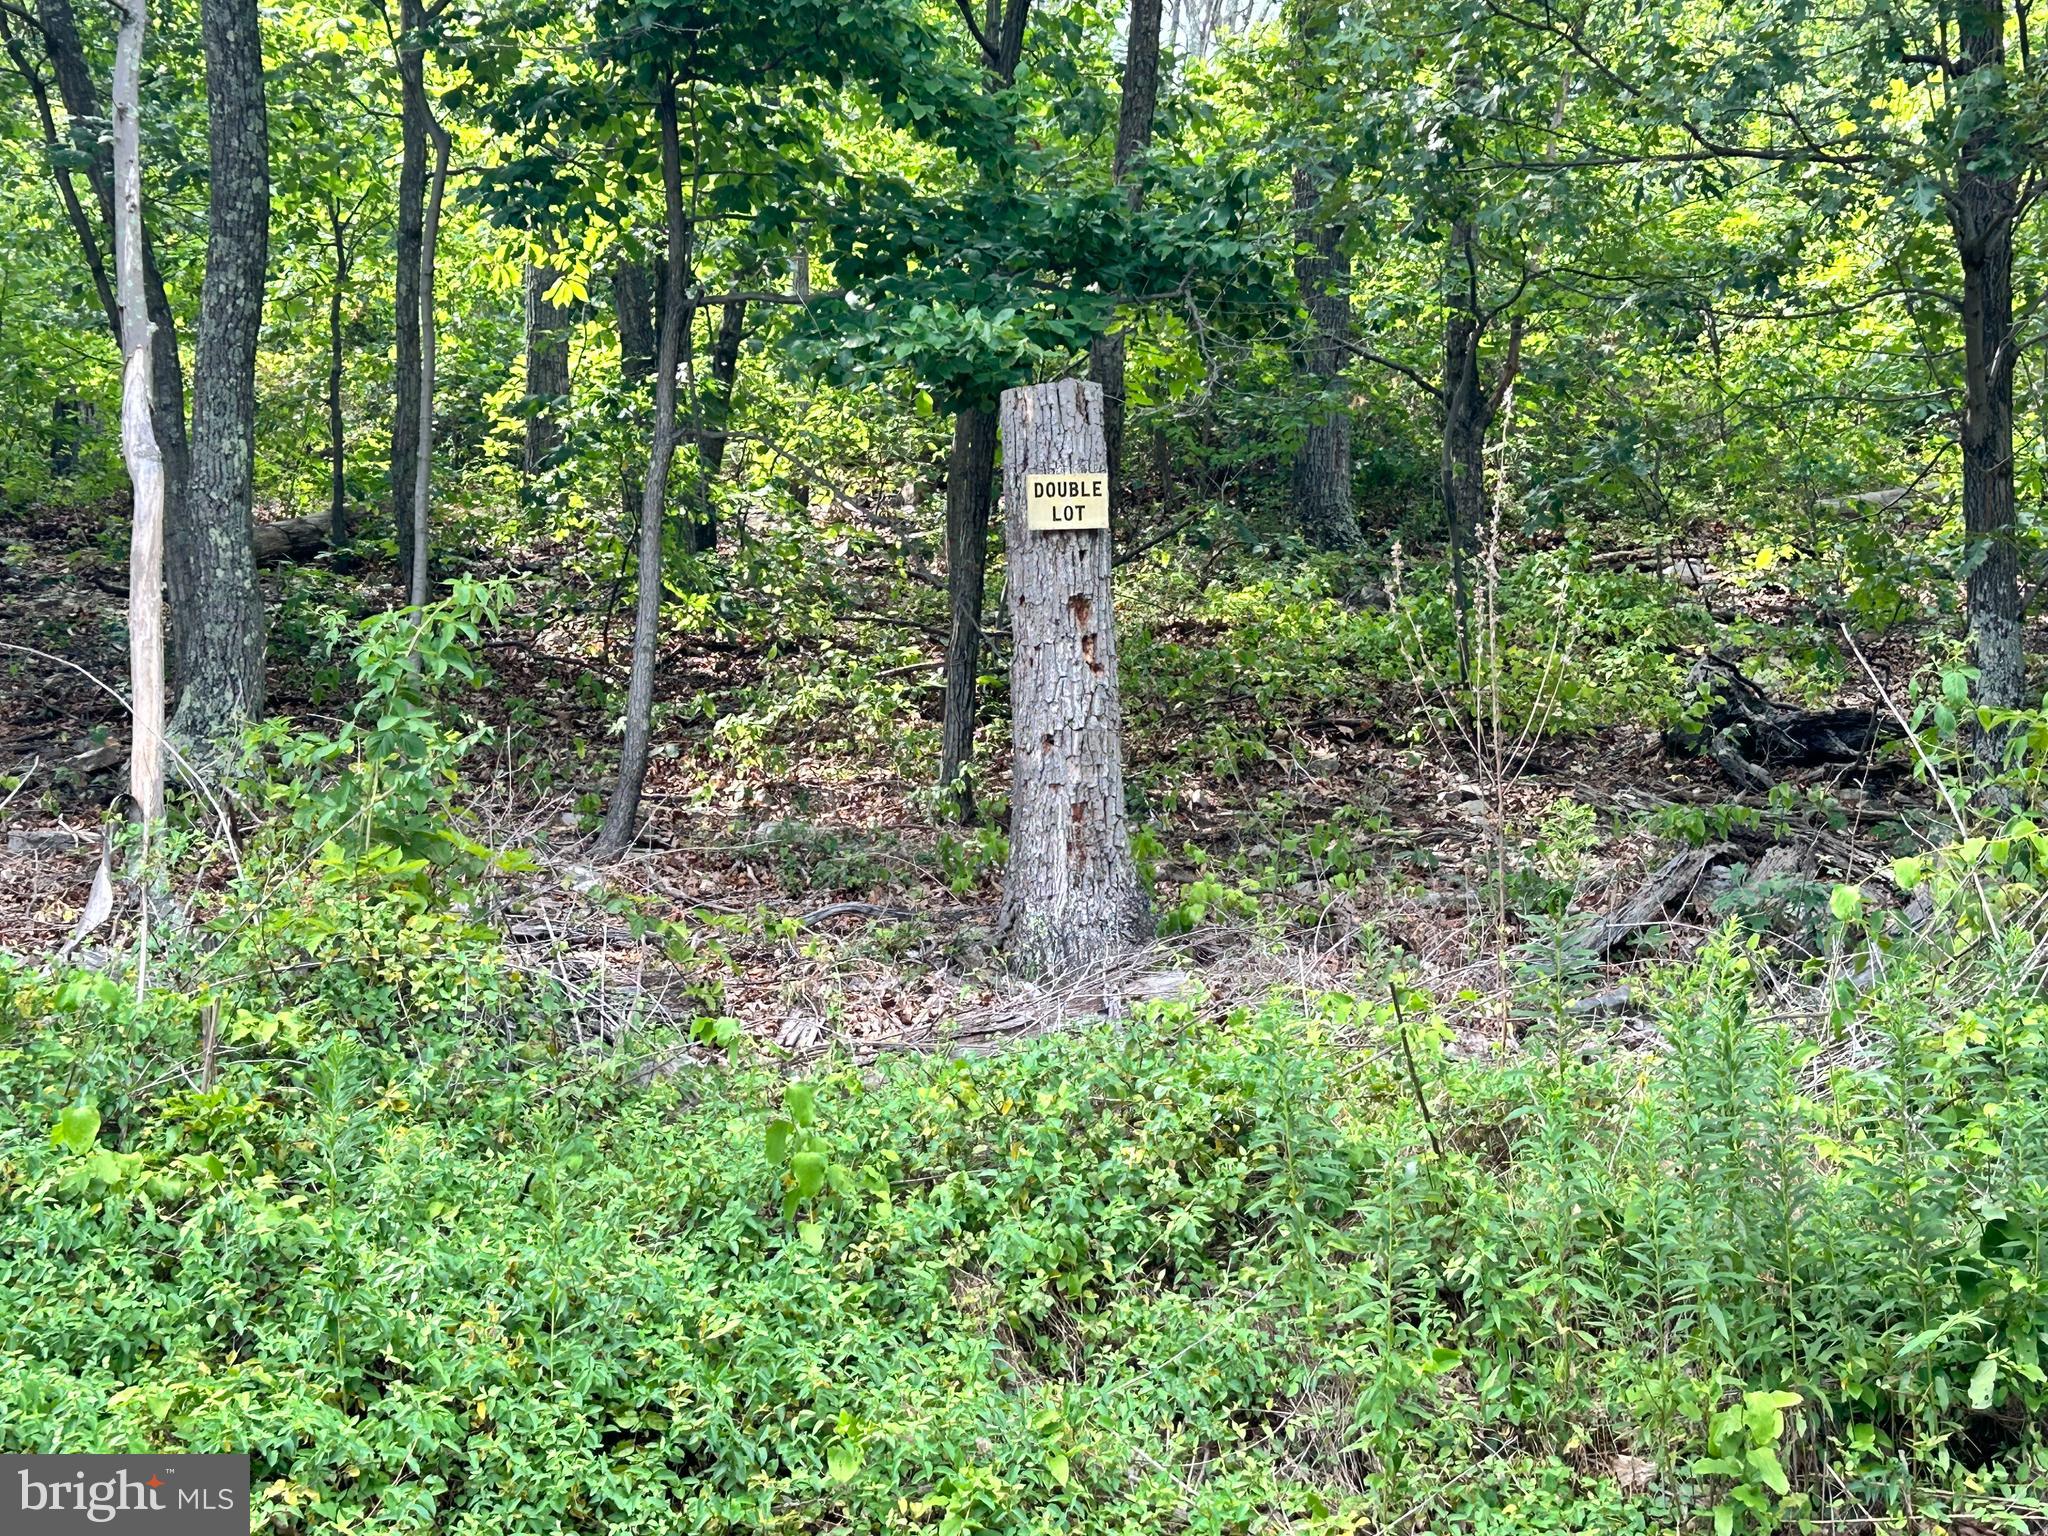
x: 547, y: 368
x: 220, y: 639
x: 81, y: 99
x: 138, y: 434
x: 970, y: 477
x: 622, y: 816
x: 1071, y: 894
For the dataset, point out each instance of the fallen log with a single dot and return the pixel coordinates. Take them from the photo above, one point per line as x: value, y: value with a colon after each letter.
x: 1747, y: 734
x: 289, y: 540
x: 1667, y: 891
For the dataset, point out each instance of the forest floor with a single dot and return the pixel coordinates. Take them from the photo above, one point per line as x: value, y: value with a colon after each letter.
x: 838, y: 908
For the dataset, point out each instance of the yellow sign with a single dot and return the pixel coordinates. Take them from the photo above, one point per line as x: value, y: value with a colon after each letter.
x: 1066, y: 500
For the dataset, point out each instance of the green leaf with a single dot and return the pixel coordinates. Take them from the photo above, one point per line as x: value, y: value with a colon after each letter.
x: 801, y: 1099
x: 842, y: 1461
x: 778, y: 1140
x: 1058, y: 1467
x: 809, y: 1171
x: 77, y: 1128
x: 1764, y: 1462
x: 1984, y: 1383
x: 1846, y: 903
x: 812, y: 1235
x: 1724, y: 1520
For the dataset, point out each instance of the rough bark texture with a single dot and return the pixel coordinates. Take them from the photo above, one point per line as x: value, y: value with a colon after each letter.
x: 622, y: 816
x: 166, y: 370
x: 412, y: 203
x: 547, y: 367
x: 139, y: 446
x: 714, y: 414
x: 1071, y: 894
x: 1984, y: 210
x: 220, y: 639
x: 633, y: 303
x: 1470, y: 408
x: 1133, y: 134
x: 423, y: 458
x: 970, y: 485
x: 1322, y: 465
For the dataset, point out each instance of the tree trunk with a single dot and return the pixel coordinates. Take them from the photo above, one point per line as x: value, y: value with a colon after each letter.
x: 1322, y: 465
x: 1984, y: 211
x: 633, y: 302
x: 622, y: 816
x: 970, y: 488
x: 67, y: 191
x: 970, y: 485
x: 220, y: 639
x: 411, y: 213
x: 337, y: 438
x: 547, y: 367
x: 1071, y: 895
x: 423, y: 459
x: 1133, y: 134
x: 714, y: 415
x: 166, y: 370
x: 138, y: 436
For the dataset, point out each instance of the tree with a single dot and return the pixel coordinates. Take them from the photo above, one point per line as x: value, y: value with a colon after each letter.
x: 423, y: 457
x: 66, y: 53
x: 622, y: 813
x: 220, y: 638
x: 547, y: 365
x: 1071, y: 894
x: 1139, y: 105
x: 970, y: 480
x: 1322, y: 464
x: 138, y: 428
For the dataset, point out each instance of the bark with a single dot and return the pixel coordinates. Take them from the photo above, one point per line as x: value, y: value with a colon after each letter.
x: 1072, y: 899
x: 622, y: 816
x: 1984, y: 210
x: 970, y: 484
x: 1322, y: 464
x: 412, y: 197
x: 337, y: 436
x: 547, y: 367
x: 1133, y: 134
x: 1470, y: 407
x: 714, y: 415
x: 423, y: 460
x: 138, y: 437
x: 633, y: 302
x: 220, y: 639
x: 81, y: 100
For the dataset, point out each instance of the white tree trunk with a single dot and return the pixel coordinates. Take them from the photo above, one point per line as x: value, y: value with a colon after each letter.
x: 138, y: 434
x: 1071, y: 895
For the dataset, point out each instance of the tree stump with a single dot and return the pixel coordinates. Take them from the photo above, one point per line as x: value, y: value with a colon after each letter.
x: 1071, y: 895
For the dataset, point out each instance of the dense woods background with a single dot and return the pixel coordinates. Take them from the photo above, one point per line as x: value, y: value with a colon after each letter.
x: 557, y: 1056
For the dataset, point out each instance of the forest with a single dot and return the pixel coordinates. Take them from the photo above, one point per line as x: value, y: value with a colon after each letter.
x: 1119, y: 767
